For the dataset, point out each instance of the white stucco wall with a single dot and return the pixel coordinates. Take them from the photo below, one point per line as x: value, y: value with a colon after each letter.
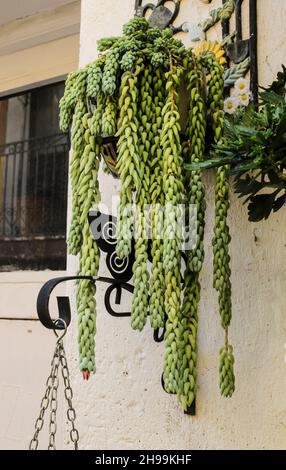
x: 25, y: 346
x: 123, y: 406
x: 39, y: 47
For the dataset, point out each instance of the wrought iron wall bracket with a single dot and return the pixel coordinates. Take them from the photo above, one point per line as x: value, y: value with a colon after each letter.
x: 241, y: 48
x: 64, y: 308
x: 103, y: 229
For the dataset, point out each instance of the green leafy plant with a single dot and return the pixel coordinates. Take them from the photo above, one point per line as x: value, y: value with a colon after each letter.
x: 254, y: 148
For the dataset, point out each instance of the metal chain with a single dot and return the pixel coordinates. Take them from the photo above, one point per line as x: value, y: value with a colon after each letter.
x: 54, y: 401
x: 51, y: 397
x: 71, y: 414
x: 44, y: 405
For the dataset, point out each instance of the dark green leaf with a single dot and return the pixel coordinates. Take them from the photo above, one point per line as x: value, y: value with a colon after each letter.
x: 271, y: 97
x: 207, y: 164
x: 250, y: 165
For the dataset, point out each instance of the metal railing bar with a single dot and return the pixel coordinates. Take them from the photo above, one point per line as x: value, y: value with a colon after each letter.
x: 20, y: 145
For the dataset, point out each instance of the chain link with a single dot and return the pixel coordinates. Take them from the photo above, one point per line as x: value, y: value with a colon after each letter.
x: 51, y: 398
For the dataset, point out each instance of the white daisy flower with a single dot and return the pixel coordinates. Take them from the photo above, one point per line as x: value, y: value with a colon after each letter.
x: 241, y: 86
x: 230, y: 105
x: 244, y: 98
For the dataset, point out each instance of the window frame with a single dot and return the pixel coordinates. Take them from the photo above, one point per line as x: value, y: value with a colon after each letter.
x: 57, y: 243
x: 32, y: 86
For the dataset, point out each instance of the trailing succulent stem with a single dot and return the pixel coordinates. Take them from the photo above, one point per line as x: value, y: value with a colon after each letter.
x: 128, y: 161
x: 173, y: 189
x: 78, y: 143
x: 157, y: 280
x: 146, y: 138
x: 193, y: 152
x: 221, y: 240
x: 88, y: 198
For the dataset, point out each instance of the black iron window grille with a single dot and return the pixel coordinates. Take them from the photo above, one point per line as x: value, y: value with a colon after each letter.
x: 33, y: 194
x: 33, y: 182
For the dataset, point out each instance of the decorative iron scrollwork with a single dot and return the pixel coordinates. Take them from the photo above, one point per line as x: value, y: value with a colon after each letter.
x: 103, y: 228
x: 240, y: 49
x: 161, y: 16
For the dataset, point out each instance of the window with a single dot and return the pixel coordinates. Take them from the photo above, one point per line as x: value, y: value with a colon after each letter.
x: 33, y: 181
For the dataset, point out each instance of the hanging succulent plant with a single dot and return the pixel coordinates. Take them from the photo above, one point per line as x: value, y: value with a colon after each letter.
x: 133, y: 93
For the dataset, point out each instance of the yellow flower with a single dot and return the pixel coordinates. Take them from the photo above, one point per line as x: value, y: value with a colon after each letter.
x: 211, y: 46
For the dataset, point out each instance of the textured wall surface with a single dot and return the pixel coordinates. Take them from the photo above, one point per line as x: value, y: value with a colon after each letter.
x: 123, y: 406
x: 26, y: 350
x: 25, y: 346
